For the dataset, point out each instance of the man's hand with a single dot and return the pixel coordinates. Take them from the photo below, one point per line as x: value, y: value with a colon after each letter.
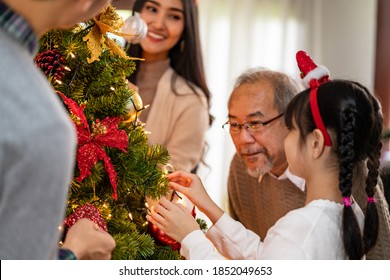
x: 89, y: 242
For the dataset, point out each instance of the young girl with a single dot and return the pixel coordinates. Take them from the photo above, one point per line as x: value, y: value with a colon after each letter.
x: 172, y: 80
x: 334, y: 139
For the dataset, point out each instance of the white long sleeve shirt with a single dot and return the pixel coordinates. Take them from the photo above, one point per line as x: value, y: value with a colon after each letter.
x: 311, y: 232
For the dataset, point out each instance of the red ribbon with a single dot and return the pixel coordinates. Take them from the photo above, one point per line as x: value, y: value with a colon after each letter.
x: 90, y: 150
x: 315, y: 110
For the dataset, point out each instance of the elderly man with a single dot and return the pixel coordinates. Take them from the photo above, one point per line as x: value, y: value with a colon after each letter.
x: 260, y: 188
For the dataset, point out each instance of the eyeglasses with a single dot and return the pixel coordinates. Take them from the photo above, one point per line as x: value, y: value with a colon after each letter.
x: 252, y: 127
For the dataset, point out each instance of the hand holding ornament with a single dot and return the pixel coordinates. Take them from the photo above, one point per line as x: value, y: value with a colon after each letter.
x: 191, y: 186
x: 173, y: 219
x: 88, y: 241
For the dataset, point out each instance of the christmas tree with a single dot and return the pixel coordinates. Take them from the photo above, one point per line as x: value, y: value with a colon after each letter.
x: 115, y: 168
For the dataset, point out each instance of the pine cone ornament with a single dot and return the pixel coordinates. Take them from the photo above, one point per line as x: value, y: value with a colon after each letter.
x: 52, y: 63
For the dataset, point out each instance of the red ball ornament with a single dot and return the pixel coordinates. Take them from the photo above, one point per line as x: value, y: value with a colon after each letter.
x: 159, y: 236
x: 88, y: 211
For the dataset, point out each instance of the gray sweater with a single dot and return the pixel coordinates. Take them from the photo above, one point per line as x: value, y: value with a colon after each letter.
x: 37, y: 150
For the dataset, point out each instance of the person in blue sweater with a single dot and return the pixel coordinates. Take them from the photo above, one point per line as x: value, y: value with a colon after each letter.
x: 38, y: 140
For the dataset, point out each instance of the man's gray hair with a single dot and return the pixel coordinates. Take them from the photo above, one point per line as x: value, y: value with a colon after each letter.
x: 285, y: 87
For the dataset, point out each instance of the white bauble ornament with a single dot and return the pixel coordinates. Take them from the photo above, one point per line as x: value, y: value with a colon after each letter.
x: 136, y: 27
x: 134, y: 108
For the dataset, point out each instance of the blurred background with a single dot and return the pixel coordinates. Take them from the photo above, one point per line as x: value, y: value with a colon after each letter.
x: 350, y: 37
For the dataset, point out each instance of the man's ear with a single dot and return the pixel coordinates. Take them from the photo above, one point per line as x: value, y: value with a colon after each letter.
x: 317, y: 143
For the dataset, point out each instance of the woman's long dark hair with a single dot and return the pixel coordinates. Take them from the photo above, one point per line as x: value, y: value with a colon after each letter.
x: 353, y: 118
x: 187, y: 62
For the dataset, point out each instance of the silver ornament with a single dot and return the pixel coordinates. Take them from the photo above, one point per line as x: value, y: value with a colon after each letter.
x: 136, y: 27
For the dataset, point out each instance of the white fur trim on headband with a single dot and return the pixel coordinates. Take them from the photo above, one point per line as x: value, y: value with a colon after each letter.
x: 317, y: 73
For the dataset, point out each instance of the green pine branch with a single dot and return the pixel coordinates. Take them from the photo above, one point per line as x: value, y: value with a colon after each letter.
x: 102, y: 88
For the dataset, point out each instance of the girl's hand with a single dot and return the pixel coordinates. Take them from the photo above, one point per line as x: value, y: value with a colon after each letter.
x: 173, y: 219
x: 191, y: 186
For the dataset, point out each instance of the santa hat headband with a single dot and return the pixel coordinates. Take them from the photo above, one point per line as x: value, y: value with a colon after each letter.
x: 313, y: 76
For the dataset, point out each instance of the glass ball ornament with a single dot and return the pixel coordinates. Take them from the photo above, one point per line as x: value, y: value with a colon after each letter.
x: 160, y: 237
x: 134, y: 108
x: 136, y: 27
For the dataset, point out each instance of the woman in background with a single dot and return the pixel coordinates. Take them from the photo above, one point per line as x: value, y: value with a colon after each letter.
x: 172, y: 80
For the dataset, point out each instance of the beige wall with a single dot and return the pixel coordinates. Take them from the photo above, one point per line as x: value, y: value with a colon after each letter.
x: 348, y: 36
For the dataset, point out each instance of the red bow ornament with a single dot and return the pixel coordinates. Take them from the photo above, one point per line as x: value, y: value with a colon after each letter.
x: 90, y: 150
